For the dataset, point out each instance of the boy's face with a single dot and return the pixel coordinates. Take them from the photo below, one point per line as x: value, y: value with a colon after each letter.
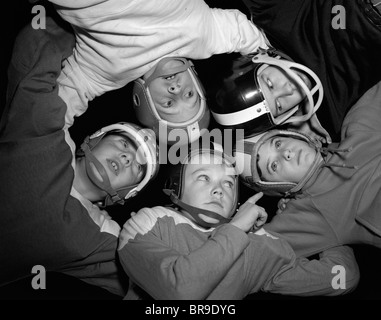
x: 175, y: 97
x: 118, y: 155
x: 280, y: 91
x: 285, y: 159
x: 210, y: 186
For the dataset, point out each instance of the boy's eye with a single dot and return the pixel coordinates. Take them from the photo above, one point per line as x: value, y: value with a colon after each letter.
x: 168, y: 104
x: 189, y: 94
x: 229, y: 184
x: 278, y: 106
x: 269, y: 83
x: 203, y: 177
x: 278, y: 144
x: 274, y: 166
x: 125, y: 143
x: 172, y: 76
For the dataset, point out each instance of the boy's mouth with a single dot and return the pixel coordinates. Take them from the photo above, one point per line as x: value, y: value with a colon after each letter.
x: 113, y: 166
x: 216, y: 203
x: 299, y: 156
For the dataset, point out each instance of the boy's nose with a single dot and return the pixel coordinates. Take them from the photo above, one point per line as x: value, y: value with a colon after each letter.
x: 217, y: 191
x: 286, y: 89
x: 288, y: 154
x: 174, y: 88
x: 127, y: 159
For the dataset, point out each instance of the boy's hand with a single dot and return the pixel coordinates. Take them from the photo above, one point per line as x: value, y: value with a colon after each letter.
x: 282, y: 205
x: 249, y: 214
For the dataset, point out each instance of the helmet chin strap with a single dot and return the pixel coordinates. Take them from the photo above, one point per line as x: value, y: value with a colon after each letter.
x: 105, y: 185
x: 195, y: 212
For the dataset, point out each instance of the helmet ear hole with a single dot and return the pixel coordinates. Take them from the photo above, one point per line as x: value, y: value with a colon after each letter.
x: 174, y: 179
x: 136, y: 100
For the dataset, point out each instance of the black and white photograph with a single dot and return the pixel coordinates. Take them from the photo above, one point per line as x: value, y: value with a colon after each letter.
x: 210, y: 151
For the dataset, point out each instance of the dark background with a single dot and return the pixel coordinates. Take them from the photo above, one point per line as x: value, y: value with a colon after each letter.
x: 116, y: 106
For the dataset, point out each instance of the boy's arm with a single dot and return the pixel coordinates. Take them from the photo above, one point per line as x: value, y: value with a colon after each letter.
x: 365, y: 114
x: 335, y: 273
x: 303, y: 227
x: 97, y: 271
x: 33, y: 107
x: 217, y: 269
x: 215, y: 30
x: 269, y: 264
x: 153, y: 263
x: 261, y: 261
x: 76, y: 3
x: 229, y: 31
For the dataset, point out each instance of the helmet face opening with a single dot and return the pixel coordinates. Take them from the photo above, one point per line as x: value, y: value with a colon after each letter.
x: 205, y: 157
x: 139, y: 155
x: 247, y: 162
x: 303, y: 77
x: 148, y: 115
x: 242, y: 104
x: 147, y: 155
x: 176, y: 182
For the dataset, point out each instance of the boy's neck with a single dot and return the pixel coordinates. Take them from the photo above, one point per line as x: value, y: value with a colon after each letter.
x: 187, y: 215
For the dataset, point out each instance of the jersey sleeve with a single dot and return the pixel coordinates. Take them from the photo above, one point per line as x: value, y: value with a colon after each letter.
x: 365, y: 115
x: 190, y: 272
x: 229, y: 30
x: 33, y: 107
x: 335, y: 273
x: 303, y: 227
x: 269, y: 264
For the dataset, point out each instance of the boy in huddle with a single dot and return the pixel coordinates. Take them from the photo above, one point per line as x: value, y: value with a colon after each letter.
x: 53, y: 193
x: 333, y: 192
x: 313, y: 48
x: 204, y: 248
